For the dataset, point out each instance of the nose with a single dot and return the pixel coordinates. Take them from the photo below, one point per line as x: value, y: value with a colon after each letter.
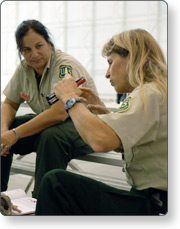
x: 34, y: 53
x: 107, y: 74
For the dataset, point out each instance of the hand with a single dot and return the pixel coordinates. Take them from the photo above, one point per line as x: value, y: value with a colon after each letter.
x: 98, y: 109
x: 89, y: 97
x: 4, y: 150
x: 8, y: 139
x: 15, y: 208
x: 66, y: 89
x: 94, y: 104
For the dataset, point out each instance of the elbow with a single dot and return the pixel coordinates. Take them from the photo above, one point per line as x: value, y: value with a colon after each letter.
x: 100, y: 149
x: 64, y: 116
x: 105, y: 144
x: 101, y: 146
x: 58, y: 113
x: 61, y: 117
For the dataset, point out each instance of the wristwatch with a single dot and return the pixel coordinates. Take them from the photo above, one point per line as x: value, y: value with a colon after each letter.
x: 70, y: 103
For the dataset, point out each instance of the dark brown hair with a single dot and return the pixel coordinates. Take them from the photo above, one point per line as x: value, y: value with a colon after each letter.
x: 35, y: 25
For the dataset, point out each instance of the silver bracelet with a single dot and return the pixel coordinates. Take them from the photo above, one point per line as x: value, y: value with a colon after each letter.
x: 17, y: 135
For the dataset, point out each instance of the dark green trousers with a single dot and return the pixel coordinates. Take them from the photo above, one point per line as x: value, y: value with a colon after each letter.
x: 55, y: 147
x: 65, y: 193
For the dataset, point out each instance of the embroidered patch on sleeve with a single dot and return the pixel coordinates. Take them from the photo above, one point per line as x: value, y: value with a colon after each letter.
x: 62, y: 70
x: 125, y: 105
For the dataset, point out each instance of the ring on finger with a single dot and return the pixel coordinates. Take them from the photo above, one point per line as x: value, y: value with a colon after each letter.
x: 6, y: 147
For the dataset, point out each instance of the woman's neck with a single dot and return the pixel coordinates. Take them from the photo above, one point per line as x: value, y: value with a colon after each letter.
x: 39, y: 71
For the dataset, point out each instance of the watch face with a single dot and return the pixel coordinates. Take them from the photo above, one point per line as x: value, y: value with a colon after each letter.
x: 70, y: 102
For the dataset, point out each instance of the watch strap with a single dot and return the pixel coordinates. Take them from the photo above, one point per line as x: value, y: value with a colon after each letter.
x: 70, y: 103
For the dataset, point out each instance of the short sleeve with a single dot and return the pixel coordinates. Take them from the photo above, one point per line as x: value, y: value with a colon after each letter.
x: 135, y: 122
x: 13, y: 88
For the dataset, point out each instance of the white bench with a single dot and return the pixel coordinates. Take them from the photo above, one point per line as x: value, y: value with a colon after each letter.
x: 111, y: 158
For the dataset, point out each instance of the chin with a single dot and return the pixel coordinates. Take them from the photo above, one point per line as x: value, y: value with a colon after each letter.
x: 121, y: 90
x: 118, y: 90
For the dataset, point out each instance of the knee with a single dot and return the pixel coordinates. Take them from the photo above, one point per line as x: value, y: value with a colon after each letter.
x: 19, y: 120
x: 52, y: 138
x: 54, y: 173
x: 47, y: 134
x: 59, y: 175
x: 52, y: 144
x: 51, y: 134
x: 54, y: 177
x: 46, y: 139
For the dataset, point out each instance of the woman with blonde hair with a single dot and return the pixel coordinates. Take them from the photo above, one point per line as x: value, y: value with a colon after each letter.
x: 146, y: 60
x: 138, y: 129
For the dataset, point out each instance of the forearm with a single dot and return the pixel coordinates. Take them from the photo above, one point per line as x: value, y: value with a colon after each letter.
x: 42, y: 121
x: 93, y: 130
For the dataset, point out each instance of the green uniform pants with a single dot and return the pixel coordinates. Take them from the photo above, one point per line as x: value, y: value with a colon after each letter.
x: 55, y: 147
x: 66, y: 193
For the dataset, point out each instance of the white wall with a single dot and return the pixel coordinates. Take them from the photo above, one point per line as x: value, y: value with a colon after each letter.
x: 81, y: 28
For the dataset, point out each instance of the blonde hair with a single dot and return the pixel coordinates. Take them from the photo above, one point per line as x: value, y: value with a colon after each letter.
x: 147, y: 63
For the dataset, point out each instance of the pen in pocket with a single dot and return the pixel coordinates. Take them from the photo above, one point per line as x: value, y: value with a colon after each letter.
x: 51, y: 98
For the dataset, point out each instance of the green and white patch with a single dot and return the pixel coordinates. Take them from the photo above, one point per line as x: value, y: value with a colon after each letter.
x: 125, y: 105
x: 62, y: 69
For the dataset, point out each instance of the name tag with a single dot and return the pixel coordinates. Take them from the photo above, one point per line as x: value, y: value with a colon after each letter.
x: 24, y: 96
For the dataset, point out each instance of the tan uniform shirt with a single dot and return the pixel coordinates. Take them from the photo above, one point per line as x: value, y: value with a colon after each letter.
x: 23, y: 84
x: 143, y: 132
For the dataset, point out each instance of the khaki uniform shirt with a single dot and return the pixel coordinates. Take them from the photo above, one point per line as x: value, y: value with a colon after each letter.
x: 23, y: 84
x: 143, y: 132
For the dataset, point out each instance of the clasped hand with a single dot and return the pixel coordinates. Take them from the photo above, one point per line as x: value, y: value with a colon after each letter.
x: 8, y: 139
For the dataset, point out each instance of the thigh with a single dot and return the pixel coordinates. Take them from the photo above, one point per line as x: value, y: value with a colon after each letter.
x: 65, y: 193
x: 78, y: 146
x: 120, y: 202
x: 78, y: 195
x: 61, y: 139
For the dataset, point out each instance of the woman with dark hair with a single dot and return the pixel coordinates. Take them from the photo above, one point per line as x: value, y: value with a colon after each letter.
x: 138, y: 129
x: 34, y: 25
x: 49, y: 132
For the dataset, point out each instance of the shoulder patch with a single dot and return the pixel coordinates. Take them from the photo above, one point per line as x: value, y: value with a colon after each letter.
x: 125, y: 105
x: 62, y: 70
